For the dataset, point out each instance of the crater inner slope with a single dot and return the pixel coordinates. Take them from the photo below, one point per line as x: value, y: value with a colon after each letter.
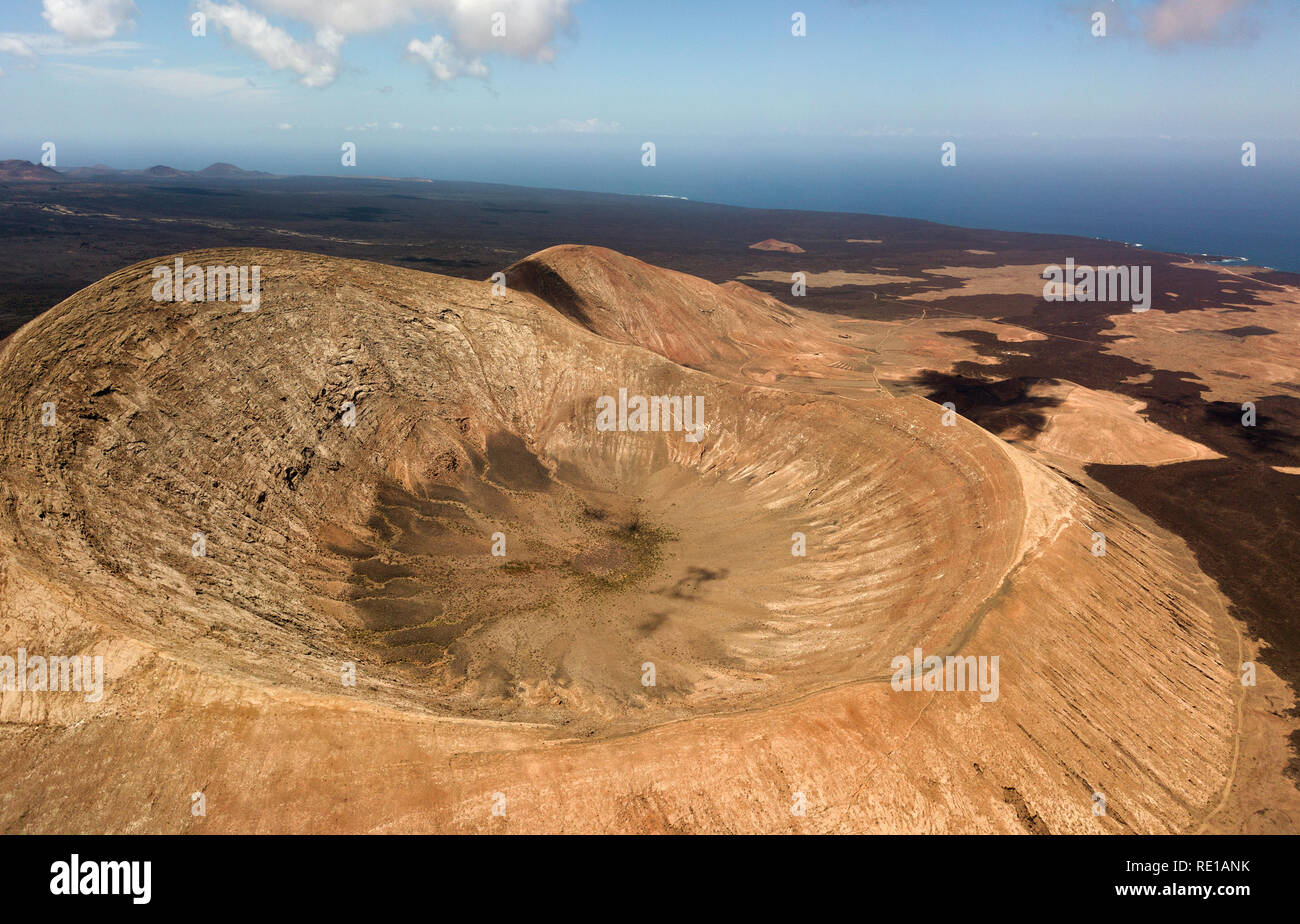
x: 356, y: 451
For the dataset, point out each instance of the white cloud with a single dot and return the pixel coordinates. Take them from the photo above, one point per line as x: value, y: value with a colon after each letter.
x: 315, y: 62
x: 443, y: 60
x: 350, y: 16
x: 170, y: 81
x: 29, y: 48
x: 560, y: 126
x: 586, y: 127
x: 459, y: 48
x: 13, y: 45
x: 42, y: 44
x: 461, y: 39
x: 884, y: 131
x: 530, y: 25
x: 374, y: 127
x: 1174, y: 21
x: 88, y: 20
x: 285, y: 126
x: 530, y: 28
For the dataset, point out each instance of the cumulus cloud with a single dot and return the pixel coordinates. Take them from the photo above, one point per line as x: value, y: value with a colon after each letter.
x: 443, y: 60
x: 316, y: 63
x: 464, y: 34
x: 1177, y: 21
x: 13, y: 45
x: 530, y: 25
x: 88, y: 20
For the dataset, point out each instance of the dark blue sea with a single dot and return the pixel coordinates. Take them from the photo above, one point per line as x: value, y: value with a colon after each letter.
x: 1198, y: 201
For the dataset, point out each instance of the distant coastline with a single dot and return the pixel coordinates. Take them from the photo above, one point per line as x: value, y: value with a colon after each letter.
x: 1167, y: 222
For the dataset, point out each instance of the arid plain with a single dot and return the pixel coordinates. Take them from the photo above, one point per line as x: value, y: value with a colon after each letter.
x: 518, y: 679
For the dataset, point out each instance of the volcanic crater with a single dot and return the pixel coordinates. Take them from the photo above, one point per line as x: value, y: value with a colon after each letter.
x: 402, y: 472
x: 372, y: 540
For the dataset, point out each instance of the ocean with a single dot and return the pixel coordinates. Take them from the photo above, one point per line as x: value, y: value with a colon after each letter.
x: 1202, y: 201
x: 1193, y: 198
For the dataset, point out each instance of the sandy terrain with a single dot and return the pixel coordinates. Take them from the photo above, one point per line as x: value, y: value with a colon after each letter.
x: 1098, y: 426
x: 831, y: 278
x: 1239, y: 352
x: 985, y: 280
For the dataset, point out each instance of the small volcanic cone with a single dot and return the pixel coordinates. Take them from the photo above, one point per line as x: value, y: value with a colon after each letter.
x: 25, y: 171
x: 773, y: 244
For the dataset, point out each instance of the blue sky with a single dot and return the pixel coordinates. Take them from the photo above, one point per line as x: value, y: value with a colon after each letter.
x: 573, y: 86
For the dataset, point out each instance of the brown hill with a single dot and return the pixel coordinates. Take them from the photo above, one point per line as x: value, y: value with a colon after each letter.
x: 773, y: 244
x: 730, y: 330
x: 24, y: 171
x: 221, y: 169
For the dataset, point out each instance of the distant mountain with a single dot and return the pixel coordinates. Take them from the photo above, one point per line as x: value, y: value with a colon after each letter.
x: 230, y: 170
x: 25, y: 171
x: 218, y: 171
x: 773, y: 244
